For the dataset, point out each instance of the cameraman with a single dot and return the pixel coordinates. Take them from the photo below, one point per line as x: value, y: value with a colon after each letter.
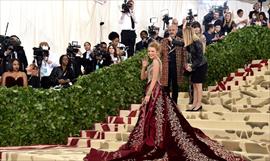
x: 89, y: 60
x: 13, y: 50
x: 75, y: 57
x: 127, y: 21
x: 143, y: 44
x: 49, y: 61
x: 154, y: 34
x: 106, y: 59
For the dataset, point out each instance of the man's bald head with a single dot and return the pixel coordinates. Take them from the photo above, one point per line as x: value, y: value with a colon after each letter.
x: 175, y: 22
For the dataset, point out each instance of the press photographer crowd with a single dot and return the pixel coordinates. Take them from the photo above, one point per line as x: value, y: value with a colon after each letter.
x: 49, y: 71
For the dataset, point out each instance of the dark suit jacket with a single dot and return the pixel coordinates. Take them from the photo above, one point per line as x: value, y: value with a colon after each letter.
x: 89, y: 64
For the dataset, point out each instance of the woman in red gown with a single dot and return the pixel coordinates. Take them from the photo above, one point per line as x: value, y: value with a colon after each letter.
x: 14, y: 77
x: 162, y: 133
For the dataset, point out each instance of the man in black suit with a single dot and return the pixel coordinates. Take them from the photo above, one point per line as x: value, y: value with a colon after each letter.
x: 89, y: 60
x: 14, y: 50
x: 143, y: 44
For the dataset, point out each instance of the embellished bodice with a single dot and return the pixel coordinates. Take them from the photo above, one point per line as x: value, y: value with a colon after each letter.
x: 150, y: 71
x: 11, y: 81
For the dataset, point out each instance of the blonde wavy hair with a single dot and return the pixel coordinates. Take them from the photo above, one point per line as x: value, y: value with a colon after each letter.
x: 155, y: 45
x: 189, y: 36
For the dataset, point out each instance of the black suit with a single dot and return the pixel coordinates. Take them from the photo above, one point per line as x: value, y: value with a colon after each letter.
x: 142, y: 45
x: 58, y: 73
x: 89, y: 64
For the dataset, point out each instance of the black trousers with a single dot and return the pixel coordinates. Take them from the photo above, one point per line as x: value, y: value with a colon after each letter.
x: 45, y: 82
x: 128, y: 38
x: 172, y: 82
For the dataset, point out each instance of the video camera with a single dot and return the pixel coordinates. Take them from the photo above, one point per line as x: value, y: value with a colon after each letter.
x: 73, y: 49
x: 126, y: 6
x: 152, y: 28
x: 190, y: 17
x: 97, y: 51
x: 6, y: 43
x: 166, y: 18
x: 40, y: 54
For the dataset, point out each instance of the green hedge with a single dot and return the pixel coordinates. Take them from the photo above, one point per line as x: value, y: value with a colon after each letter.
x: 36, y: 116
x: 31, y: 116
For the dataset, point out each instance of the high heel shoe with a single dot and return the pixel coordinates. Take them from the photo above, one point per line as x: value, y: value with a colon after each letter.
x: 198, y: 109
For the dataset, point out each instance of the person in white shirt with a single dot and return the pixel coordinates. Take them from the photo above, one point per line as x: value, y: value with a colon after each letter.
x: 50, y: 60
x: 128, y: 21
x: 240, y: 20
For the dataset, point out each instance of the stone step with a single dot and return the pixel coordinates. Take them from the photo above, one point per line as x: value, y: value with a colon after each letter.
x: 254, y: 157
x: 232, y: 145
x: 246, y: 146
x: 229, y: 106
x: 50, y: 154
x: 241, y: 125
x: 76, y: 154
x: 228, y: 116
x: 229, y: 134
x: 237, y: 94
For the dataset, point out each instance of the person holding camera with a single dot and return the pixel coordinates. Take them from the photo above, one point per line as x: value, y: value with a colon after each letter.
x: 173, y: 60
x: 13, y: 50
x: 62, y: 75
x: 75, y: 56
x: 143, y: 44
x: 127, y: 21
x: 89, y: 59
x: 106, y: 59
x: 49, y: 61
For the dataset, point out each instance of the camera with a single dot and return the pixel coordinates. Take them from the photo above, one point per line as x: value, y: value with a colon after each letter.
x: 40, y: 54
x: 166, y: 18
x: 190, y: 17
x: 97, y: 51
x: 126, y: 6
x: 73, y: 49
x: 6, y: 43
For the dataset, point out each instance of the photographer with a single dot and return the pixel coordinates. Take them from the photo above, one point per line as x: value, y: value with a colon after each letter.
x: 75, y: 56
x: 143, y: 44
x: 106, y: 58
x: 102, y: 56
x: 49, y: 61
x: 12, y: 49
x: 154, y: 33
x: 127, y: 21
x: 89, y: 60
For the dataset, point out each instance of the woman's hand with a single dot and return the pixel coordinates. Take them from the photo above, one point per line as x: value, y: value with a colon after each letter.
x: 145, y: 62
x: 188, y: 67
